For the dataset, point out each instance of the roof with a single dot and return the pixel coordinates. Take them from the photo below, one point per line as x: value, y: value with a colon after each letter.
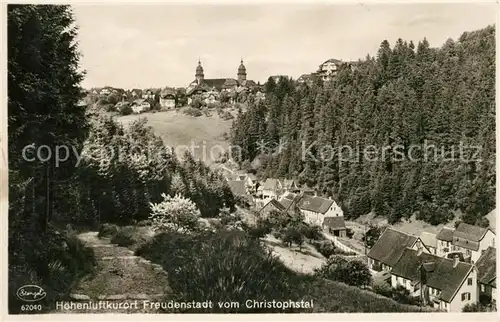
x: 248, y: 83
x: 335, y: 223
x: 167, y: 91
x: 252, y: 176
x: 445, y: 234
x: 474, y: 233
x: 492, y: 218
x: 486, y: 266
x: 215, y: 82
x: 390, y: 246
x: 468, y: 236
x: 287, y: 199
x: 237, y: 187
x: 288, y: 183
x: 271, y: 184
x: 441, y: 274
x: 274, y: 204
x: 428, y: 239
x: 332, y: 60
x: 315, y: 204
x: 230, y: 82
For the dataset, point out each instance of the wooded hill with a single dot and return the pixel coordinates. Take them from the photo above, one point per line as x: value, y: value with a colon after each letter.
x: 406, y: 99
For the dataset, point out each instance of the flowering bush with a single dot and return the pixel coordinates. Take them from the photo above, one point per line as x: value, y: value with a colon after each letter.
x: 174, y: 213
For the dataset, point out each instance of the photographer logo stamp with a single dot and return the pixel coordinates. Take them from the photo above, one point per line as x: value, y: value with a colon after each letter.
x: 30, y: 293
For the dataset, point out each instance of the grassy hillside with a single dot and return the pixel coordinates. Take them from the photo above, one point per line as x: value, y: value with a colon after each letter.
x: 183, y: 131
x: 229, y: 266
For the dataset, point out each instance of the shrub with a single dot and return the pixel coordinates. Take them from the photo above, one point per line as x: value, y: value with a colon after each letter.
x: 177, y: 213
x: 109, y: 108
x: 192, y: 111
x: 383, y: 289
x: 220, y: 266
x: 352, y: 272
x: 107, y: 230
x: 145, y: 222
x: 325, y: 248
x: 292, y: 235
x: 349, y: 233
x: 402, y: 295
x: 312, y: 232
x: 124, y: 237
x: 196, y: 103
x: 474, y: 307
x: 126, y: 110
x: 260, y: 230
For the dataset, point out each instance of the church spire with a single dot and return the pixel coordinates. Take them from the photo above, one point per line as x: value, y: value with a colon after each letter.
x: 242, y: 72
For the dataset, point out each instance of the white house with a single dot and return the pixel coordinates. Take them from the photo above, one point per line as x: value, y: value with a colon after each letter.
x: 430, y: 241
x: 328, y: 69
x: 315, y: 209
x: 167, y: 98
x: 446, y: 284
x: 444, y: 239
x: 388, y: 249
x: 466, y: 239
x: 140, y: 105
x: 290, y: 185
x: 272, y: 189
x: 148, y: 94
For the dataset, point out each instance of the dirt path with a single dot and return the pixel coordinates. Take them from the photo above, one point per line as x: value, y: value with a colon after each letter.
x: 121, y: 284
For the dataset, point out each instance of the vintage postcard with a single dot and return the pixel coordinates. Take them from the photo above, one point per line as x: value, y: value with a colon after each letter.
x: 251, y: 158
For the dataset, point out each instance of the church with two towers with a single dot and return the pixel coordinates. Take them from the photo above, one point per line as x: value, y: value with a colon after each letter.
x: 210, y: 89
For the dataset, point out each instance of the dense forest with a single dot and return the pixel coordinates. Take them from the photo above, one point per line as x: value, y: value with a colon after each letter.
x: 104, y: 173
x: 432, y: 111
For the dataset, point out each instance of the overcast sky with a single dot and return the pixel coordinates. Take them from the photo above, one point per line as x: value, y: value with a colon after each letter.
x: 128, y: 46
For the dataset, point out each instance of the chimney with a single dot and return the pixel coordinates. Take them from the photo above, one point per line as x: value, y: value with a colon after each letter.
x: 456, y: 259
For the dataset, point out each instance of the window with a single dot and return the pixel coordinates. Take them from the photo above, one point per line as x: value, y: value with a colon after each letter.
x: 465, y: 296
x: 469, y: 281
x: 482, y: 288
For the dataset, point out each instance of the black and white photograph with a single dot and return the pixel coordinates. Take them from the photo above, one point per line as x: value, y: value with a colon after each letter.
x: 301, y: 157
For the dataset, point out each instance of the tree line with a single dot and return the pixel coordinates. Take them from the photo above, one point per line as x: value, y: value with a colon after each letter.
x: 431, y: 111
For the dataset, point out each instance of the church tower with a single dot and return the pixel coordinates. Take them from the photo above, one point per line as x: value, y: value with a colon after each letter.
x: 242, y: 72
x: 199, y: 73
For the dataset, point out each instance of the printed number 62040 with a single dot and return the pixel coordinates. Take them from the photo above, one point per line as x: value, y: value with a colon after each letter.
x: 31, y: 307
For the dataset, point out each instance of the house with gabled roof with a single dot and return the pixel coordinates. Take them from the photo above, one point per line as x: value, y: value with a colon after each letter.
x: 140, y: 105
x: 467, y: 239
x: 446, y: 284
x: 168, y: 98
x: 315, y: 209
x: 319, y: 211
x: 290, y: 185
x: 472, y: 240
x: 272, y: 189
x: 388, y: 249
x: 430, y: 241
x: 270, y: 206
x: 487, y: 275
x: 444, y: 239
